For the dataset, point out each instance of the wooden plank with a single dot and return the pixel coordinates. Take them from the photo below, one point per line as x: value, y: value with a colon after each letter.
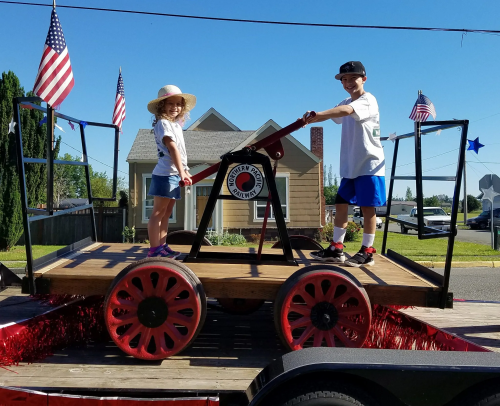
x: 476, y: 322
x: 92, y: 272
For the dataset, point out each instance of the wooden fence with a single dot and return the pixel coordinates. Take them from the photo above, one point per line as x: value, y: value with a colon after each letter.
x: 75, y: 226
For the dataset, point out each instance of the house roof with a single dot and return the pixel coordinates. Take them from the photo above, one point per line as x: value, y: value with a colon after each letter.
x: 203, y: 143
x: 200, y: 145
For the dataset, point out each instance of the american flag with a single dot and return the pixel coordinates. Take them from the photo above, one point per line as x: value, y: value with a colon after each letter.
x: 119, y: 112
x: 54, y: 80
x: 422, y: 108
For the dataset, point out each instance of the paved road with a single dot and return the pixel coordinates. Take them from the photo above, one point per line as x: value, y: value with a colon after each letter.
x: 476, y: 236
x: 475, y: 283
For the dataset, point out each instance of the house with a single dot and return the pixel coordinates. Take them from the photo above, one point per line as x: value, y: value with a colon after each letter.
x: 402, y: 207
x: 299, y: 180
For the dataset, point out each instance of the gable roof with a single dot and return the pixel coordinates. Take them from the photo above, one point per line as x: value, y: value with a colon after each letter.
x: 210, y: 120
x: 204, y: 146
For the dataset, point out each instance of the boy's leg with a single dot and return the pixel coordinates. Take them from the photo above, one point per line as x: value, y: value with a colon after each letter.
x: 370, y: 193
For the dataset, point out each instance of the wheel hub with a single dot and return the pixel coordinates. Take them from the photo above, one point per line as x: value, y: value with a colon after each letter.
x: 152, y: 312
x: 324, y: 316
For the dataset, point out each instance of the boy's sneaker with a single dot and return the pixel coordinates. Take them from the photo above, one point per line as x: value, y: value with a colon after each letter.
x: 160, y: 252
x: 171, y: 251
x: 333, y: 253
x: 363, y: 258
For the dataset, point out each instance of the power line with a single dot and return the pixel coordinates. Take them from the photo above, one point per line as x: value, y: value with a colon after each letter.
x: 240, y: 20
x: 102, y: 163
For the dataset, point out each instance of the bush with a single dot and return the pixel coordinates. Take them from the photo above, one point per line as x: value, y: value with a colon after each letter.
x: 255, y: 238
x: 225, y: 238
x: 129, y: 233
x: 352, y: 231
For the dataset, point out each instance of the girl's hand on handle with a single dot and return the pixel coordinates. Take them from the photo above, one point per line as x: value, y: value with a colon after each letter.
x: 186, y: 178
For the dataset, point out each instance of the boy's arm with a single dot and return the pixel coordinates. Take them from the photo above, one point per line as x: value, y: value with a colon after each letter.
x: 176, y: 158
x: 336, y: 112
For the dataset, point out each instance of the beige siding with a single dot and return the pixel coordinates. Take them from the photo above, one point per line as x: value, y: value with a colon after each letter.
x: 212, y: 123
x: 304, y: 193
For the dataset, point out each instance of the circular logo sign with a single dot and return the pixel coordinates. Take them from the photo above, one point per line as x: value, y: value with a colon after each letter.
x: 245, y: 181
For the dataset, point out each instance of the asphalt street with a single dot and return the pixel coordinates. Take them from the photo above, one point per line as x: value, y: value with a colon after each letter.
x: 476, y: 236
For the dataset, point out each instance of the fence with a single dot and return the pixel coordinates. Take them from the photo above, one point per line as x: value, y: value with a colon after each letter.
x: 75, y: 226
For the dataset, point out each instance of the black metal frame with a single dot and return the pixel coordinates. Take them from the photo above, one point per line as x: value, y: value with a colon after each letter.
x: 41, y: 214
x: 423, y: 231
x: 244, y: 156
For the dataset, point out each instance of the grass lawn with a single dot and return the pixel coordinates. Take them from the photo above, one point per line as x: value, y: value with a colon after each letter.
x: 429, y: 250
x: 18, y: 253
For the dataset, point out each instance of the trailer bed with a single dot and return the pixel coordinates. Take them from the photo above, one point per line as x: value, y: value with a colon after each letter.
x: 90, y: 272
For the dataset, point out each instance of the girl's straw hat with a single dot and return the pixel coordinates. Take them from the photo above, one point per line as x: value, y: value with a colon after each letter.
x: 168, y: 91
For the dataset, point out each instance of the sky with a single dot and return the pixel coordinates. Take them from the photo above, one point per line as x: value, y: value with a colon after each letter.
x: 251, y: 73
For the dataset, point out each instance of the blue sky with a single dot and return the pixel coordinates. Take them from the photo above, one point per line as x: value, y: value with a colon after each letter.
x: 251, y: 73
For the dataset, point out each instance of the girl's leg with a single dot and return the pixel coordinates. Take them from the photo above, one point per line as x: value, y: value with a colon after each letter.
x: 164, y: 221
x: 160, y: 205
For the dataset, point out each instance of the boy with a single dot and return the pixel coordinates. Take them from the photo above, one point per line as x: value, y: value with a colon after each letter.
x: 362, y: 164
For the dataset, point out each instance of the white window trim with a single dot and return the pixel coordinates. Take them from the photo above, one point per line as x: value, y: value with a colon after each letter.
x: 287, y: 217
x: 145, y: 220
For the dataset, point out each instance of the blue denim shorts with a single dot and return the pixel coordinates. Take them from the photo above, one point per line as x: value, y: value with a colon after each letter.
x: 165, y: 186
x: 365, y: 191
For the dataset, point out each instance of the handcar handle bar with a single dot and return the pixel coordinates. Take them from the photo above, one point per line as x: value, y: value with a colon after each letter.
x: 269, y: 140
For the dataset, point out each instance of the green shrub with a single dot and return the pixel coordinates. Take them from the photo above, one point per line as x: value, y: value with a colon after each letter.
x: 129, y: 233
x: 225, y: 238
x: 352, y: 231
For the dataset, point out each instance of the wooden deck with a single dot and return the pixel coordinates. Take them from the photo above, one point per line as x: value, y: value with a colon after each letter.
x: 90, y: 272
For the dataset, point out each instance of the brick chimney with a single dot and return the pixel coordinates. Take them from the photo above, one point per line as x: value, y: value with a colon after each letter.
x: 317, y: 149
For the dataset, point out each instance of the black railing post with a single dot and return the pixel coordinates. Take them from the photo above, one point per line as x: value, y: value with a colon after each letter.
x: 418, y: 178
x: 50, y: 159
x: 389, y: 196
x: 89, y: 186
x: 24, y: 197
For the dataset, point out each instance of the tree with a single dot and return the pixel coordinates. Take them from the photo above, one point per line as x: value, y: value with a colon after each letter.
x: 473, y: 204
x: 431, y: 201
x: 330, y: 194
x: 330, y: 177
x: 34, y: 146
x: 409, y: 195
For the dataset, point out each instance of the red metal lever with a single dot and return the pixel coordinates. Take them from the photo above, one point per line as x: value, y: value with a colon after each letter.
x: 270, y: 139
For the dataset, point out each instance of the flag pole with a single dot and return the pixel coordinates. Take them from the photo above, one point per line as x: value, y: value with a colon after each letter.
x: 53, y: 3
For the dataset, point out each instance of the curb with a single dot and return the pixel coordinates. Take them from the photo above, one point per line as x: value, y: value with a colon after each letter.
x: 473, y: 264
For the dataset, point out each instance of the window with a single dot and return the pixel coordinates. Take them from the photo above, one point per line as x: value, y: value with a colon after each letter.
x: 147, y: 200
x: 282, y: 184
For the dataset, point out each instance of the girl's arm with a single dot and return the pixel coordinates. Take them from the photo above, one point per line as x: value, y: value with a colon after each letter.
x: 176, y: 158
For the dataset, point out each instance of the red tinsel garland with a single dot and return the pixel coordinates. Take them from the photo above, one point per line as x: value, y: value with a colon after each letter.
x: 83, y: 321
x: 77, y: 323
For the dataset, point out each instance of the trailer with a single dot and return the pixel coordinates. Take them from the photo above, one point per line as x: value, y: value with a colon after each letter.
x: 155, y: 309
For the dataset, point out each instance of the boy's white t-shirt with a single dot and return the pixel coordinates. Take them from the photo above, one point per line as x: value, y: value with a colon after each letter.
x: 361, y: 152
x: 166, y: 166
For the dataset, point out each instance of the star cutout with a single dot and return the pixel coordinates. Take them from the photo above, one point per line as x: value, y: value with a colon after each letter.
x: 43, y: 120
x: 489, y: 194
x: 393, y: 136
x: 474, y: 145
x: 12, y: 125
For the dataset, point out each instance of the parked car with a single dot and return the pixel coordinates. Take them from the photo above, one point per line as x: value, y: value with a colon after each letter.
x: 434, y: 217
x: 359, y: 220
x: 482, y: 221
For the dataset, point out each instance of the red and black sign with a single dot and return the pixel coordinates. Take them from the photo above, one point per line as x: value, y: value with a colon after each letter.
x: 245, y: 181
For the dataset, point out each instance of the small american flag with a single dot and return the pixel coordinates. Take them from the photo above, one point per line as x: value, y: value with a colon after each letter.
x: 119, y: 112
x: 54, y: 79
x: 422, y: 108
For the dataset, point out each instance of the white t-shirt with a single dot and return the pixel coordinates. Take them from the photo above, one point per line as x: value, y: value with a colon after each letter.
x: 165, y: 166
x: 361, y: 152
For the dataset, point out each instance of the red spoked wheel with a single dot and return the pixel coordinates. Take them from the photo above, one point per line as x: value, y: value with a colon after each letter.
x: 322, y: 306
x: 155, y: 308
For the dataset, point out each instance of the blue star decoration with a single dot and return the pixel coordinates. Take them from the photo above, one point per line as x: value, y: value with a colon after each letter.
x: 474, y: 145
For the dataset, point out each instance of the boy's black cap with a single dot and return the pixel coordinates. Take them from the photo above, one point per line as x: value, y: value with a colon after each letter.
x: 351, y: 67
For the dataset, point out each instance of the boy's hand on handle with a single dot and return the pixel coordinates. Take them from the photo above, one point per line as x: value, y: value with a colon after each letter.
x: 308, y: 118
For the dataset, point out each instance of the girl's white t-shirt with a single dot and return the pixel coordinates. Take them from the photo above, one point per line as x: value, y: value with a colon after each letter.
x: 166, y: 166
x: 361, y: 152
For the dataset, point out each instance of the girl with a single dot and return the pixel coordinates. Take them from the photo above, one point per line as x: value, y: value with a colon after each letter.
x: 170, y: 108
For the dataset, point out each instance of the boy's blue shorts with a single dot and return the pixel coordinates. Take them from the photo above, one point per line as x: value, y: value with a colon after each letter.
x: 364, y: 191
x: 165, y: 186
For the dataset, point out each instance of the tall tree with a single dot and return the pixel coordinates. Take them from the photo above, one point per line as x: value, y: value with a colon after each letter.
x: 34, y: 146
x: 330, y: 176
x: 409, y: 195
